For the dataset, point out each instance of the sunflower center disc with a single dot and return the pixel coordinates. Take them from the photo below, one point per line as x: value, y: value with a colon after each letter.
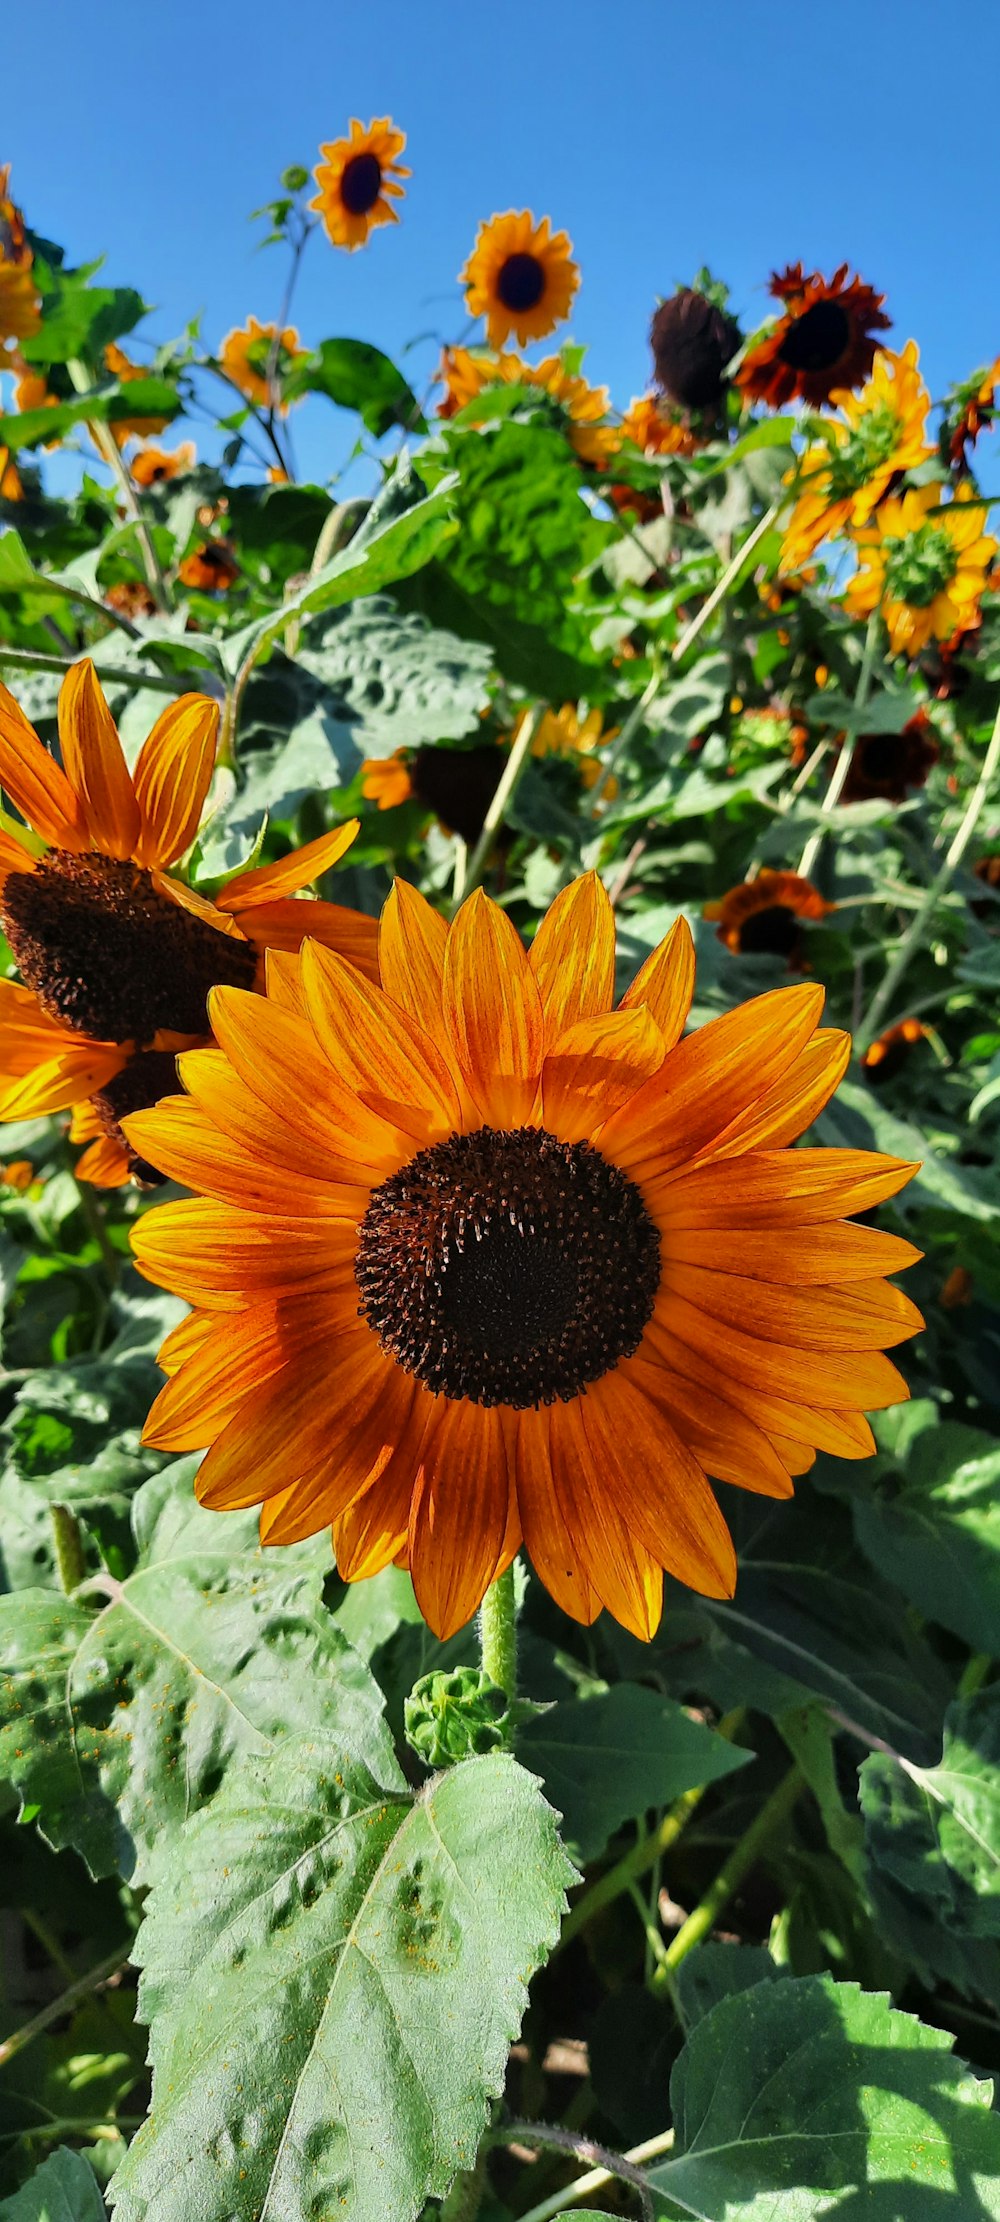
x: 110, y: 956
x: 882, y: 756
x: 521, y: 282
x: 774, y: 932
x: 508, y: 1268
x: 817, y: 340
x: 361, y: 183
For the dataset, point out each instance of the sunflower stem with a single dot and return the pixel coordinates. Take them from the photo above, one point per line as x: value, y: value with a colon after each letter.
x: 498, y: 1634
x: 596, y: 2179
x: 516, y: 761
x: 923, y: 918
x: 845, y: 758
x: 773, y: 1815
x: 110, y: 453
x: 68, y: 1540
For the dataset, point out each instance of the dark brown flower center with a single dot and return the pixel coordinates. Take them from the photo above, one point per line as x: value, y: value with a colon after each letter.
x: 774, y: 932
x: 458, y: 784
x: 361, y: 183
x: 508, y: 1268
x: 110, y: 956
x: 140, y: 1084
x: 817, y: 340
x: 521, y: 282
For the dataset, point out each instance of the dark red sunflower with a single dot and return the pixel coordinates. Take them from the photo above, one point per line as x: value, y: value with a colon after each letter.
x: 892, y: 764
x: 824, y: 343
x: 763, y: 917
x: 887, y: 1055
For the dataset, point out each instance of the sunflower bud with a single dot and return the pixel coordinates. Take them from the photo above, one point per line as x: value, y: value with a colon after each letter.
x: 692, y: 342
x: 461, y: 1715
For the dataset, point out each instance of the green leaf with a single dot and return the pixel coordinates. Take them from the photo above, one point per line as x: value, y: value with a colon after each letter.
x: 399, y: 679
x: 118, y: 1719
x: 932, y: 1524
x: 717, y: 1971
x: 80, y: 319
x: 811, y: 2098
x: 335, y: 1971
x: 63, y: 2189
x: 358, y: 376
x: 110, y: 404
x: 933, y: 1843
x: 607, y: 1760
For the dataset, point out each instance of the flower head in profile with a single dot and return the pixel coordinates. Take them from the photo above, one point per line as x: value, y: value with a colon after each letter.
x: 478, y: 1258
x: 245, y: 358
x: 155, y: 466
x: 116, y: 951
x: 844, y: 474
x: 924, y: 563
x: 892, y: 765
x: 763, y: 917
x: 584, y: 407
x: 520, y: 276
x: 129, y: 373
x: 211, y: 567
x: 971, y: 409
x: 693, y: 341
x: 823, y: 344
x: 888, y: 1055
x: 358, y: 179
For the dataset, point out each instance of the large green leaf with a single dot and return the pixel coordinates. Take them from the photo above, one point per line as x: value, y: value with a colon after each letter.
x: 79, y: 319
x: 110, y: 404
x: 933, y: 1844
x: 605, y: 1761
x: 401, y: 680
x: 810, y: 2098
x: 63, y: 2189
x: 931, y: 1523
x: 121, y: 1716
x: 335, y: 1971
x: 358, y: 376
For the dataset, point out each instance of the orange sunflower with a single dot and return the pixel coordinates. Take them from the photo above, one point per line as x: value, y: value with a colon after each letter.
x: 824, y: 343
x: 477, y: 1258
x: 211, y: 567
x: 974, y: 409
x: 520, y: 276
x: 843, y: 475
x: 153, y: 466
x: 127, y: 372
x: 890, y: 765
x: 649, y: 426
x: 116, y: 951
x: 886, y: 1056
x: 457, y: 784
x: 358, y: 181
x: 246, y: 352
x: 465, y: 376
x: 925, y: 563
x: 762, y: 917
x: 20, y: 307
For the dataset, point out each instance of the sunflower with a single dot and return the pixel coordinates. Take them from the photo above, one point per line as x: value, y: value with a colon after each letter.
x: 572, y: 1375
x: 520, y: 276
x: 693, y: 341
x: 211, y: 567
x: 20, y: 307
x: 843, y: 476
x: 823, y: 344
x: 153, y: 466
x: 885, y: 1057
x: 891, y: 764
x: 925, y: 565
x: 465, y: 376
x: 457, y: 784
x: 762, y: 917
x: 116, y: 952
x: 246, y: 352
x: 11, y: 488
x: 649, y: 426
x: 564, y: 733
x: 127, y: 373
x: 973, y: 409
x: 357, y: 181
x: 131, y: 597
x: 14, y: 247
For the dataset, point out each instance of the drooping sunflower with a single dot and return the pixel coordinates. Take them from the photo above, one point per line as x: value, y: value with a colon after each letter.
x: 890, y: 765
x: 885, y: 1057
x: 116, y: 951
x: 457, y: 784
x: 925, y: 564
x: 476, y: 1258
x: 358, y: 181
x: 246, y: 352
x: 763, y: 917
x: 154, y: 466
x: 520, y: 276
x: 693, y: 341
x: 465, y: 376
x: 127, y: 372
x: 824, y: 344
x: 843, y: 476
x: 565, y: 733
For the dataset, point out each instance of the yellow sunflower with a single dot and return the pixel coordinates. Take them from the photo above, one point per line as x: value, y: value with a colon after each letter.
x: 153, y: 466
x: 358, y: 181
x: 477, y: 1258
x: 926, y: 564
x: 565, y: 733
x: 20, y: 306
x: 465, y: 376
x: 843, y: 476
x: 116, y: 951
x: 246, y: 352
x: 520, y: 276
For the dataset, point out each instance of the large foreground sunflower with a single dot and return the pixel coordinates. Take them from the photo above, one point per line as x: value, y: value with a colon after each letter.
x: 823, y: 344
x: 844, y: 474
x: 520, y: 276
x: 116, y: 951
x: 477, y: 1258
x: 924, y: 563
x: 358, y: 181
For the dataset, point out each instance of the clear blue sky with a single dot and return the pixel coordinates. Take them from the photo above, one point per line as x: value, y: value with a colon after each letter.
x: 660, y: 136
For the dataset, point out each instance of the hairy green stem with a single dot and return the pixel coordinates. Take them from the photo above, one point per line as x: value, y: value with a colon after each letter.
x: 597, y: 2179
x: 743, y: 1857
x: 554, y: 2137
x: 498, y: 1633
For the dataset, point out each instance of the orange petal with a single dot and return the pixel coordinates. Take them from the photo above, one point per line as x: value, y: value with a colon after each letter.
x: 657, y: 1485
x: 572, y: 957
x: 215, y: 1085
x: 846, y: 1436
x: 710, y: 1078
x: 268, y: 883
x: 411, y: 945
x: 285, y: 925
x: 105, y: 1164
x: 551, y: 1547
x: 35, y: 784
x: 778, y: 1188
x: 214, y: 1255
x: 283, y: 982
x: 796, y: 1256
x: 377, y: 1052
x: 172, y: 777
x: 458, y: 1515
x: 864, y: 1379
x: 665, y: 983
x: 371, y: 1431
x: 493, y: 1012
x: 45, y: 1066
x: 598, y: 1065
x: 280, y: 1060
x: 869, y: 1315
x: 14, y: 857
x: 95, y: 765
x: 725, y: 1441
x: 281, y: 1436
x: 186, y: 1145
x: 184, y: 1339
x: 373, y: 1530
x: 223, y: 1362
x: 623, y: 1572
x: 794, y: 1102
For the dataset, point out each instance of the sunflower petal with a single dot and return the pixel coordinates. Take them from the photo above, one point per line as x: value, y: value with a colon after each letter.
x: 795, y: 1100
x: 411, y: 945
x: 708, y: 1080
x: 553, y: 1550
x: 725, y: 1441
x: 623, y: 1572
x: 572, y: 957
x: 493, y: 1012
x: 794, y: 1256
x: 95, y: 765
x: 172, y: 777
x: 268, y: 883
x: 867, y: 1315
x: 186, y: 1145
x: 657, y: 1485
x: 258, y: 1455
x: 36, y: 785
x: 458, y: 1515
x: 45, y: 1066
x: 598, y: 1065
x: 219, y: 1257
x: 665, y: 983
x: 285, y: 926
x: 223, y: 1361
x: 863, y: 1379
x: 280, y: 1061
x: 383, y: 1057
x: 778, y: 1188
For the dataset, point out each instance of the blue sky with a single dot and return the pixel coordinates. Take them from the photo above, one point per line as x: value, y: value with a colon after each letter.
x: 660, y: 136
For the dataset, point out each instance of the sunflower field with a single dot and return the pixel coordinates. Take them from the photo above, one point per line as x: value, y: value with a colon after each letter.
x: 500, y: 1377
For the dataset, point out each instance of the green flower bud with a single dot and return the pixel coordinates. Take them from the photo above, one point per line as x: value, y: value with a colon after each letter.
x: 294, y: 178
x: 455, y: 1716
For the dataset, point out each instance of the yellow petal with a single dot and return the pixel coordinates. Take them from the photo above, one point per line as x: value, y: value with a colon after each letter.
x: 35, y: 784
x: 270, y: 882
x: 493, y: 1013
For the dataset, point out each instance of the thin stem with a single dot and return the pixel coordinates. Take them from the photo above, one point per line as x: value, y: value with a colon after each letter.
x: 68, y: 1540
x: 44, y: 585
x: 104, y: 1972
x: 921, y: 921
x: 597, y: 2179
x: 975, y: 1673
x: 274, y: 351
x: 516, y: 761
x: 37, y: 659
x: 845, y: 756
x: 615, y: 2167
x: 743, y: 1857
x: 498, y: 1633
x: 110, y: 453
